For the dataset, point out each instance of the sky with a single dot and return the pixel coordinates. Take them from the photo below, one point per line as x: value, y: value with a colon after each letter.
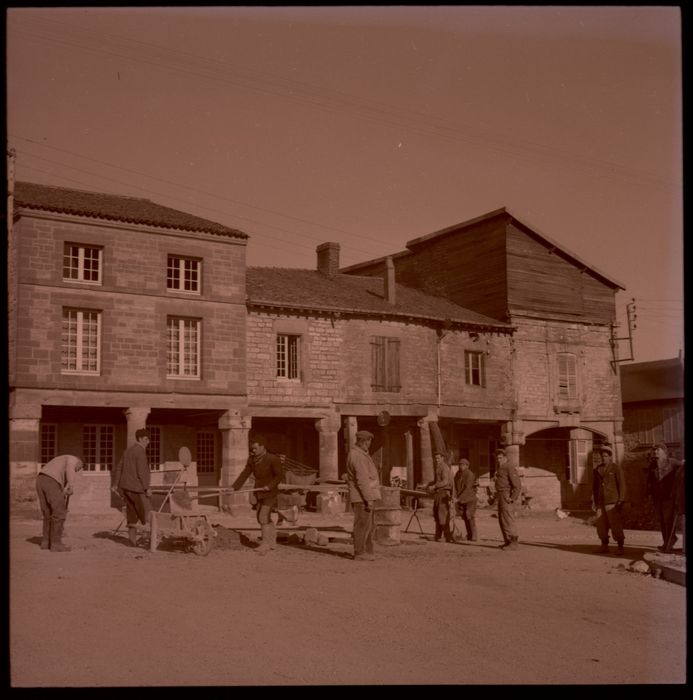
x: 370, y: 126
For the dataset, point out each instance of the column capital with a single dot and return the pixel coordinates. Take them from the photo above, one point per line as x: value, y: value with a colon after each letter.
x: 328, y: 424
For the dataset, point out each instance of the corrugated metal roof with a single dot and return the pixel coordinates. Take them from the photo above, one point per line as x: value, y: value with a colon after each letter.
x: 652, y: 381
x: 112, y: 207
x: 313, y: 290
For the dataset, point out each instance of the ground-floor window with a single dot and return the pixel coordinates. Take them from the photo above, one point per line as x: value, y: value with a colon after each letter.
x: 49, y: 442
x: 205, y: 452
x: 97, y: 447
x: 154, y: 448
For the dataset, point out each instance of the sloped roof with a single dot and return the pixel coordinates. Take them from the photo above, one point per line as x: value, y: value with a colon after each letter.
x: 308, y: 290
x: 112, y: 207
x: 652, y: 381
x: 423, y: 240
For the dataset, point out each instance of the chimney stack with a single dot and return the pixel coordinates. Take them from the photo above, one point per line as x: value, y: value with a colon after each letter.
x: 389, y: 280
x: 328, y: 258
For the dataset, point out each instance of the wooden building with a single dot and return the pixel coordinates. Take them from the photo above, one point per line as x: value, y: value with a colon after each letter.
x: 563, y: 369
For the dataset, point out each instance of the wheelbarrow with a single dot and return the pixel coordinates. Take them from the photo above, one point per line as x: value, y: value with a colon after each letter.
x: 178, y: 523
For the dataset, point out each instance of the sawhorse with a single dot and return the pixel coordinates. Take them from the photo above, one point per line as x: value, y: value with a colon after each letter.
x: 415, y: 505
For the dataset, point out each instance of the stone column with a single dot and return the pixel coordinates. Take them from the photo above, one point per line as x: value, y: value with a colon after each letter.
x: 350, y: 427
x: 409, y: 447
x: 426, y: 456
x: 234, y: 454
x: 328, y: 429
x: 136, y: 417
x: 512, y: 436
x: 24, y: 452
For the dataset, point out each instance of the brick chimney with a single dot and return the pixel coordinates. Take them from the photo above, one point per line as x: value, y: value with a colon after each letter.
x: 389, y: 280
x: 328, y: 258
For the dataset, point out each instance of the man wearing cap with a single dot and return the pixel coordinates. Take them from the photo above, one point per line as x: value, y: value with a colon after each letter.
x: 465, y: 498
x: 508, y: 490
x: 54, y: 485
x: 608, y: 497
x: 364, y: 490
x: 441, y: 487
x: 662, y: 477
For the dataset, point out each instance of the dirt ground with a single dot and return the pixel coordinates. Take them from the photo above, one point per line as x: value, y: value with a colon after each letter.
x: 553, y: 612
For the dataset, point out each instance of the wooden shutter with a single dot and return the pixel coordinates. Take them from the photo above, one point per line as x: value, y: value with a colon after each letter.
x: 392, y: 381
x: 377, y: 363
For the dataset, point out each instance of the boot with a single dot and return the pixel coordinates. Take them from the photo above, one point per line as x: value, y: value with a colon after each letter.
x: 56, y: 537
x: 513, y: 543
x: 439, y: 533
x: 619, y: 549
x: 132, y: 535
x: 46, y: 539
x: 604, y: 549
x: 269, y: 539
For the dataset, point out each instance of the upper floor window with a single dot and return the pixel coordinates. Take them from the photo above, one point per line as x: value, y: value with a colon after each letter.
x: 288, y: 356
x: 97, y: 447
x: 81, y: 341
x: 567, y: 375
x: 474, y: 368
x: 385, y: 364
x: 183, y: 351
x: 82, y: 263
x: 183, y: 274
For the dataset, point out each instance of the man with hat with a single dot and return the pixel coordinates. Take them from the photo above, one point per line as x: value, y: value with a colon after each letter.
x: 508, y: 490
x: 608, y: 497
x: 364, y: 490
x: 441, y: 488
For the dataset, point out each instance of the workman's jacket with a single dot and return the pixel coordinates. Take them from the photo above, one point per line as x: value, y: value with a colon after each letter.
x: 62, y: 469
x: 443, y: 482
x: 362, y: 476
x: 267, y: 470
x: 507, y: 482
x: 661, y: 477
x: 132, y: 472
x: 608, y: 485
x: 465, y: 489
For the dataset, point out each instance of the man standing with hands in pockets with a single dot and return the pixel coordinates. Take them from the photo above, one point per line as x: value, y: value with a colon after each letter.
x: 364, y: 490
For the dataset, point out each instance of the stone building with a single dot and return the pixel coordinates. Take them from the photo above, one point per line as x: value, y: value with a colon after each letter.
x: 563, y: 380
x: 122, y: 313
x: 330, y: 353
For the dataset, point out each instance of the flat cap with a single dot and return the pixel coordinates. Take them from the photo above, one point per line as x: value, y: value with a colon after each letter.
x: 363, y: 435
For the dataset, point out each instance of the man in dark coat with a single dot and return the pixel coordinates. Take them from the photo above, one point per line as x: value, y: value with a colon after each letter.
x: 608, y: 497
x: 131, y: 481
x: 662, y: 486
x: 441, y: 487
x: 508, y: 490
x: 268, y: 472
x: 465, y: 498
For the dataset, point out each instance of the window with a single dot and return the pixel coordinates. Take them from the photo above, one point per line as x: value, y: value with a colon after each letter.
x: 288, y: 347
x: 183, y: 358
x: 385, y: 364
x: 81, y: 264
x: 474, y: 368
x: 205, y: 452
x: 81, y: 341
x: 567, y: 376
x: 97, y: 448
x: 49, y: 442
x: 183, y: 274
x: 154, y: 448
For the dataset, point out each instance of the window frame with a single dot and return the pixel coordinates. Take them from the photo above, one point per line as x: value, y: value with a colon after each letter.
x: 82, y: 249
x: 386, y: 360
x: 181, y: 351
x: 181, y: 278
x: 79, y: 338
x: 284, y: 357
x: 564, y: 376
x: 470, y: 370
x: 154, y: 448
x: 51, y: 428
x: 201, y: 467
x: 102, y: 430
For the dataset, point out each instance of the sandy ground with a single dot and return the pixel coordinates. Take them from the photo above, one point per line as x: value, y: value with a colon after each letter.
x: 106, y: 614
